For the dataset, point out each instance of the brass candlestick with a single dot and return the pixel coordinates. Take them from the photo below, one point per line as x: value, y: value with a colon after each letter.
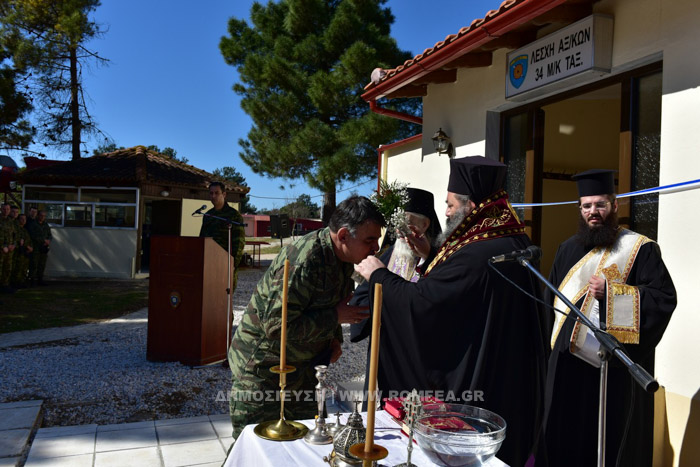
x: 281, y: 430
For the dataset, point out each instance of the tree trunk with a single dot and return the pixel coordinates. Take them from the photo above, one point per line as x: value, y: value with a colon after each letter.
x: 328, y: 206
x: 74, y: 105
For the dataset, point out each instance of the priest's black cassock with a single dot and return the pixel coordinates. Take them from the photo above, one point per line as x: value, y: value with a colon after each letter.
x: 464, y: 328
x: 571, y: 423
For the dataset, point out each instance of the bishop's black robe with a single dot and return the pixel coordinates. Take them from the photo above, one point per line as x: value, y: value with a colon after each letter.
x: 571, y: 423
x: 464, y: 328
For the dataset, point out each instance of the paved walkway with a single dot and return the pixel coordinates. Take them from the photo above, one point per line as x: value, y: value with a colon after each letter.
x: 195, y: 441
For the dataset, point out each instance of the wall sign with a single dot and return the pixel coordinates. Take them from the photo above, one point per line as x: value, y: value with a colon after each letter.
x: 585, y: 46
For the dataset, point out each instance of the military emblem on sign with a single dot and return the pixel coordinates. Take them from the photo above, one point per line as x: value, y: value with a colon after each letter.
x: 517, y: 70
x: 175, y: 299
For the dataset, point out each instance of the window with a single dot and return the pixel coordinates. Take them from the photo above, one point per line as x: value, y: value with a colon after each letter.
x: 90, y: 207
x: 51, y: 193
x: 78, y: 215
x: 114, y: 216
x: 54, y: 212
x: 107, y: 196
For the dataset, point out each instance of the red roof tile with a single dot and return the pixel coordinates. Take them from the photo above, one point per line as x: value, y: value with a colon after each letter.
x: 133, y: 166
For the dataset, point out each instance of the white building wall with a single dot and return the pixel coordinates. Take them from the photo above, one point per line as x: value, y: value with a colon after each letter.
x: 429, y: 172
x: 81, y: 252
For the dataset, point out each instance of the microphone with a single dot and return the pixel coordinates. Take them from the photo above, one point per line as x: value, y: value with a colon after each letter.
x: 199, y: 211
x: 531, y: 252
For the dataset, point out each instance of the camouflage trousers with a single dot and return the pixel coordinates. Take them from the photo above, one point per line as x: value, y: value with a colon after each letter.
x: 20, y: 266
x: 251, y: 402
x: 37, y: 264
x: 5, y: 268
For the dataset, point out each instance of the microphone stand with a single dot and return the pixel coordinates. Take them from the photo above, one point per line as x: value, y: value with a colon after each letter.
x: 608, y: 346
x: 229, y: 296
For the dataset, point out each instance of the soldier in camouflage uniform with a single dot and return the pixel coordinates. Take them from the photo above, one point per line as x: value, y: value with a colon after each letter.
x: 218, y: 229
x: 7, y: 246
x: 320, y: 285
x: 40, y: 233
x: 20, y: 263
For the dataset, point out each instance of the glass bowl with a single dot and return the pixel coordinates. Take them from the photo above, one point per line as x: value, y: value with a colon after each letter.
x: 459, y: 435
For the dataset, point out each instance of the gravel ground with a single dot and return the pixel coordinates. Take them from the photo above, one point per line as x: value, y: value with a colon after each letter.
x: 103, y: 376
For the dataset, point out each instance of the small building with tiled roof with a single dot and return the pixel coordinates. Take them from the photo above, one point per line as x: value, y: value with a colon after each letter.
x: 555, y: 87
x: 103, y: 209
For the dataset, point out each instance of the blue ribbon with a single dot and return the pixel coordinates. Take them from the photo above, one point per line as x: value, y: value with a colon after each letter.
x: 672, y: 188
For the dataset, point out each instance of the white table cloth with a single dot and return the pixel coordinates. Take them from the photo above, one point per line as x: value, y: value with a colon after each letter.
x: 250, y: 450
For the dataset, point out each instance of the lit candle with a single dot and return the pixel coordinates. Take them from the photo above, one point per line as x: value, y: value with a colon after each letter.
x: 373, y: 362
x: 283, y: 332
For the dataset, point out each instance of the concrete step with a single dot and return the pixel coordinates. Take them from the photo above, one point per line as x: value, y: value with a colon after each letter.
x: 18, y: 424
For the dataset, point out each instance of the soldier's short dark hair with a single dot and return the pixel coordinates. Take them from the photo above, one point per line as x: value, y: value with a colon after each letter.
x: 353, y: 212
x: 219, y: 184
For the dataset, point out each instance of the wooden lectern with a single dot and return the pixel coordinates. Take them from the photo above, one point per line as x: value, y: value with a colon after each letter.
x: 187, y: 301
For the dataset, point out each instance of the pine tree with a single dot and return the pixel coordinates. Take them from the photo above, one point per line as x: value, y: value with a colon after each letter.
x: 47, y: 38
x: 303, y: 65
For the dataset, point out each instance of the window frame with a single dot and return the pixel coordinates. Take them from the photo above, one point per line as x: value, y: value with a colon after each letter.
x: 92, y: 204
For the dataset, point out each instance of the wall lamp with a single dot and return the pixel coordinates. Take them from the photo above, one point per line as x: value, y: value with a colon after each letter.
x: 442, y: 144
x: 165, y: 193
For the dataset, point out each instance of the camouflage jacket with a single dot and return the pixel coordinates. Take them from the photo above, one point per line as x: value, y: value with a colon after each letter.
x: 23, y: 234
x: 7, y: 232
x: 35, y: 231
x: 318, y: 281
x: 218, y: 230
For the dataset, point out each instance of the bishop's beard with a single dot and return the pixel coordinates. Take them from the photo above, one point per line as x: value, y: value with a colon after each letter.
x: 603, y: 235
x: 452, y: 223
x: 402, y: 250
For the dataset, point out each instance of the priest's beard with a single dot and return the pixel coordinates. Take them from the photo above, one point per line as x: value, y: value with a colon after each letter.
x: 602, y: 235
x: 452, y: 223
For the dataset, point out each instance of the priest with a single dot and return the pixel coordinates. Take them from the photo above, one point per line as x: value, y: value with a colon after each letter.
x: 462, y: 332
x: 618, y: 280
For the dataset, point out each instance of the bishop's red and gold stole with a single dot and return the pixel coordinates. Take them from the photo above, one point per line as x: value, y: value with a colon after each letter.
x: 494, y: 217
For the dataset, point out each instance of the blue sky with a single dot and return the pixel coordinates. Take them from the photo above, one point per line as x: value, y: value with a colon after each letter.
x: 167, y: 83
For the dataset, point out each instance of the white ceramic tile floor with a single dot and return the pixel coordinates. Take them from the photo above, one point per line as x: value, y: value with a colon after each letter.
x: 187, y: 442
x: 126, y: 439
x: 173, y: 434
x: 143, y: 457
x: 83, y: 460
x: 186, y: 454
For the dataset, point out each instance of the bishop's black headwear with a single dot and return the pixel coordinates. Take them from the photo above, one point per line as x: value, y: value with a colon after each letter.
x: 422, y: 202
x: 595, y: 182
x: 477, y: 177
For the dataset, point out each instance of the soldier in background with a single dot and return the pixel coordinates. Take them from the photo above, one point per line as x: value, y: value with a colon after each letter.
x: 320, y: 285
x: 40, y: 233
x: 20, y: 262
x: 7, y: 247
